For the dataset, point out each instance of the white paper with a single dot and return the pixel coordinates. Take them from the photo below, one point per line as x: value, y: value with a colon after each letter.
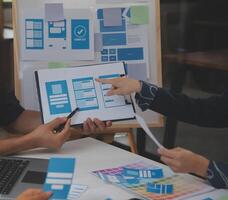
x: 62, y: 90
x: 76, y: 191
x: 142, y: 123
x: 128, y: 43
x: 71, y: 39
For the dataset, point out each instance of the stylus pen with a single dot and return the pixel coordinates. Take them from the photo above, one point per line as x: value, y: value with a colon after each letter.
x: 61, y: 126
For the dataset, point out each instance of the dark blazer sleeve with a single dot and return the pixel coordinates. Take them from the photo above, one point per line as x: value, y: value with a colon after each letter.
x: 218, y: 174
x: 209, y: 112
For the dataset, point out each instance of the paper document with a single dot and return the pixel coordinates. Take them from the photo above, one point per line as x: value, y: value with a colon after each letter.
x: 147, y: 130
x: 63, y: 90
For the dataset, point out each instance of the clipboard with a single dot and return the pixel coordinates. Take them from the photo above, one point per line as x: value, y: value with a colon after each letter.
x: 62, y: 90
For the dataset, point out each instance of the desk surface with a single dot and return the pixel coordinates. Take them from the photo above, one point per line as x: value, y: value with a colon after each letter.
x: 209, y: 59
x: 93, y: 155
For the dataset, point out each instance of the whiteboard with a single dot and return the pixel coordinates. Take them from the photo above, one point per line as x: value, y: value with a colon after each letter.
x: 24, y: 70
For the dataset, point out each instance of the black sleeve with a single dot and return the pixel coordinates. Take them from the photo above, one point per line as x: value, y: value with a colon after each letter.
x: 10, y: 109
x: 209, y: 112
x: 218, y: 174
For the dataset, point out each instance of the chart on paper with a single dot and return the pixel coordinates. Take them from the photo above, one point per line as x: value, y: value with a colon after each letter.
x: 62, y: 90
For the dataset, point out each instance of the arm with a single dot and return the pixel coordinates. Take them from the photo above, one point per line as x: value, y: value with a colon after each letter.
x: 211, y: 112
x: 26, y: 122
x: 184, y: 161
x: 34, y: 194
x: 42, y: 136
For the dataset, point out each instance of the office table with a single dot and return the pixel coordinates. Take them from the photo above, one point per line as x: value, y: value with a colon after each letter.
x: 93, y: 155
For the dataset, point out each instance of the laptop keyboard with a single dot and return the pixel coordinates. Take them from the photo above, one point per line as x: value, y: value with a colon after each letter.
x: 10, y: 171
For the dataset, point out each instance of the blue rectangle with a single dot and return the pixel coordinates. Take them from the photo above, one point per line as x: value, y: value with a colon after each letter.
x: 112, y: 58
x: 110, y: 76
x: 57, y: 194
x: 104, y: 58
x: 36, y: 42
x: 131, y: 172
x: 83, y: 83
x: 104, y: 29
x: 60, y: 34
x: 125, y: 54
x: 156, y: 173
x: 115, y: 39
x: 61, y: 165
x: 104, y: 52
x: 80, y: 34
x: 58, y: 97
x: 112, y: 51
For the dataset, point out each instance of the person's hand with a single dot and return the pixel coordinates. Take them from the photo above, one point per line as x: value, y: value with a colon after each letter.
x: 34, y: 194
x: 95, y: 126
x: 183, y: 161
x: 121, y: 86
x: 44, y: 135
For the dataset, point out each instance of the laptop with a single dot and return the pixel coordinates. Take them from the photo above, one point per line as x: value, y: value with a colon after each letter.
x: 19, y: 174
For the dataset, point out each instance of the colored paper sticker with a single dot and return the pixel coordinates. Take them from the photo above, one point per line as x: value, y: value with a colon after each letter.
x: 59, y: 177
x: 139, y: 15
x: 160, y: 188
x: 76, y: 191
x: 58, y: 97
x: 144, y: 173
x: 56, y: 65
x: 80, y: 34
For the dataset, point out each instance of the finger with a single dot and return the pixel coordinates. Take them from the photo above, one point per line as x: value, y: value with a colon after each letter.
x: 108, y: 123
x: 85, y: 127
x: 42, y: 195
x: 115, y: 92
x: 91, y: 125
x: 167, y: 153
x: 56, y: 122
x: 178, y: 149
x: 170, y: 162
x: 99, y: 124
x: 65, y: 133
x: 105, y: 81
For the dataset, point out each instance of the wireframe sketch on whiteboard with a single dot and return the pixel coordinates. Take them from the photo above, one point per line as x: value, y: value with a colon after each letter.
x: 68, y: 39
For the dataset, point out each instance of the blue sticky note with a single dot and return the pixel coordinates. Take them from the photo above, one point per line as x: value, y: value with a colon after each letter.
x: 143, y: 173
x: 160, y: 188
x: 80, y: 34
x: 132, y: 181
x: 59, y: 177
x: 131, y: 172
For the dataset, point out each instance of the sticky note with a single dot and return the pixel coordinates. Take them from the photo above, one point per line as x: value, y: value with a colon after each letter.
x: 54, y: 12
x: 143, y: 173
x: 139, y: 15
x: 76, y: 191
x: 59, y: 177
x: 56, y: 65
x: 98, y: 42
x: 137, y: 71
x: 112, y: 17
x: 160, y: 188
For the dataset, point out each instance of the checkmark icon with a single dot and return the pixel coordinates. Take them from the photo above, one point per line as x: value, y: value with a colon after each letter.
x: 80, y: 32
